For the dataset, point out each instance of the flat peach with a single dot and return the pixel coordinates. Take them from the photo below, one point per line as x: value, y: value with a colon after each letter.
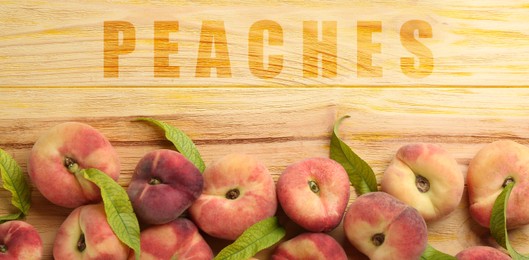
x: 489, y: 170
x: 86, y: 234
x: 310, y: 246
x: 178, y: 239
x: 239, y: 191
x: 58, y: 156
x: 482, y: 252
x: 19, y: 240
x: 163, y: 186
x: 314, y: 193
x: 426, y: 177
x: 382, y: 227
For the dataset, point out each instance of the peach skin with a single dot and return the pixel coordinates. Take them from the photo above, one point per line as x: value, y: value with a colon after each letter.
x: 426, y: 177
x: 491, y: 168
x: 382, y: 227
x: 238, y: 192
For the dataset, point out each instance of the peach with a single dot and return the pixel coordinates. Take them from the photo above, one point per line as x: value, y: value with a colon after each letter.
x: 311, y: 246
x: 482, y: 252
x: 382, y: 227
x: 19, y: 240
x: 178, y: 239
x: 314, y: 193
x: 238, y: 192
x: 163, y: 186
x: 58, y: 156
x: 426, y: 177
x: 491, y: 168
x: 86, y: 234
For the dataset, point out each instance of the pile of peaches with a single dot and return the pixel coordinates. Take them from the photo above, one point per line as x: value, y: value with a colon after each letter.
x: 176, y: 203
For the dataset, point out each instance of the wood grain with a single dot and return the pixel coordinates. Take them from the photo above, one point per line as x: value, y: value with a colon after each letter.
x: 280, y: 126
x: 55, y: 43
x: 52, y: 55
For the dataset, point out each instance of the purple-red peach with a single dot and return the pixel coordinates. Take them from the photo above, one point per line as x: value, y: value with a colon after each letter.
x: 163, y: 186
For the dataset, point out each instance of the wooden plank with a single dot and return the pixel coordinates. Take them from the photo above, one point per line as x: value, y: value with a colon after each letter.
x: 280, y: 126
x: 269, y: 78
x: 450, y: 43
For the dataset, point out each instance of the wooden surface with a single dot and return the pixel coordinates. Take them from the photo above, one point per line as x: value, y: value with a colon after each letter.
x: 49, y: 43
x: 52, y: 60
x: 280, y: 126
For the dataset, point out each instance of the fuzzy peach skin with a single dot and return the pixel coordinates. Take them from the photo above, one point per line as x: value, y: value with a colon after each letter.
x: 310, y: 246
x: 178, y: 239
x: 19, y: 240
x: 314, y: 193
x: 238, y: 192
x: 82, y: 145
x: 163, y: 186
x: 487, y: 173
x: 433, y: 163
x: 482, y: 253
x: 85, y: 234
x: 382, y: 227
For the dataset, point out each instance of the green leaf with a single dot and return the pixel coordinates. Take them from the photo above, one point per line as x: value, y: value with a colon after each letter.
x: 10, y: 217
x: 14, y: 181
x: 181, y: 141
x: 498, y: 222
x: 360, y: 173
x: 259, y: 236
x: 118, y: 208
x: 433, y: 254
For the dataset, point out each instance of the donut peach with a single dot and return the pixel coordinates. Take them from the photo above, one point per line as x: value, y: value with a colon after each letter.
x: 491, y: 168
x: 482, y: 252
x: 426, y: 177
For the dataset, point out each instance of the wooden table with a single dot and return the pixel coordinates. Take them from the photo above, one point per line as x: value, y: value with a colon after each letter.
x: 270, y: 79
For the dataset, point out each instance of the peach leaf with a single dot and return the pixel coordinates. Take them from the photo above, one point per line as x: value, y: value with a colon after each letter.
x: 257, y: 237
x: 361, y: 175
x: 498, y: 222
x: 14, y: 181
x: 181, y: 141
x: 433, y: 254
x: 118, y: 208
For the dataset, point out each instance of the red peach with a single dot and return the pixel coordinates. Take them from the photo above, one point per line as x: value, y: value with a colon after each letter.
x: 494, y: 165
x: 19, y: 240
x: 178, y: 239
x: 86, y: 234
x: 482, y: 253
x: 310, y: 246
x: 426, y: 177
x: 58, y: 156
x: 238, y: 192
x: 314, y: 193
x: 382, y: 227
